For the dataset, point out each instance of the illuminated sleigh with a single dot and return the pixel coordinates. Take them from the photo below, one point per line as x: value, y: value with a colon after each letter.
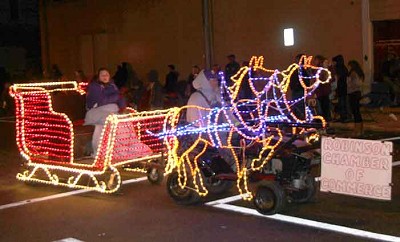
x: 45, y: 138
x: 257, y: 130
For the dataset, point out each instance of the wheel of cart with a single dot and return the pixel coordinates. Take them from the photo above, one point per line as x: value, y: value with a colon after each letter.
x: 45, y: 138
x: 181, y: 193
x: 306, y: 191
x: 269, y: 197
x: 183, y: 186
x: 155, y: 175
x: 294, y: 175
x: 216, y: 173
x: 216, y: 176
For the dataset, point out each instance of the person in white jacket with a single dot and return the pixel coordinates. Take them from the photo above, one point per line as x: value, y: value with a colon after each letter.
x: 207, y: 96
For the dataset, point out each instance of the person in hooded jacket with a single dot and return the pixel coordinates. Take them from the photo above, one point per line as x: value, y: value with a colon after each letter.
x: 207, y: 95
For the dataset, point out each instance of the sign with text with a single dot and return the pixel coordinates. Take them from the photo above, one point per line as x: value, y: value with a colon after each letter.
x: 356, y: 167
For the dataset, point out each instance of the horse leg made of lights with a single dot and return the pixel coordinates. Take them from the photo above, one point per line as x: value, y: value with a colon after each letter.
x: 185, y: 163
x: 183, y: 155
x: 180, y: 161
x: 269, y: 143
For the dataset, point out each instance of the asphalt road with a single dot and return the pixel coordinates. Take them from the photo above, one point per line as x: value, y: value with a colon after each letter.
x: 145, y: 212
x: 142, y: 212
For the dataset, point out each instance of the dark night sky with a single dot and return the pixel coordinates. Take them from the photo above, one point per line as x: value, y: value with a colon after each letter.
x: 19, y: 25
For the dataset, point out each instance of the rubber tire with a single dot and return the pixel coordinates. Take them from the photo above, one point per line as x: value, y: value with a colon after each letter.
x: 272, y: 191
x: 181, y: 196
x: 155, y: 178
x: 307, y: 195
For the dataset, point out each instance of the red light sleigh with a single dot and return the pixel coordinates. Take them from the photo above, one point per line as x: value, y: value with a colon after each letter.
x: 45, y: 138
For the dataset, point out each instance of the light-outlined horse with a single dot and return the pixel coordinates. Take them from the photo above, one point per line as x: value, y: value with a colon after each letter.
x: 268, y: 104
x: 274, y: 92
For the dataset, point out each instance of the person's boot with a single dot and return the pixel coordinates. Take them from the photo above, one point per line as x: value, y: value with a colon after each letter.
x: 358, y: 130
x: 361, y: 129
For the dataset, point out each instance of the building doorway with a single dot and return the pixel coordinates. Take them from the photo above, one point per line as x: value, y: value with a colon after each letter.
x: 386, y: 36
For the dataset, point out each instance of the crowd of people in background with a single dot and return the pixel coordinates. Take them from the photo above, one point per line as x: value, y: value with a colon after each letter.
x: 338, y: 101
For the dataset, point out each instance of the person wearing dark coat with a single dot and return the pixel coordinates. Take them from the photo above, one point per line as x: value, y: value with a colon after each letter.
x: 297, y: 90
x: 323, y: 91
x: 231, y: 68
x: 189, y: 89
x: 341, y: 90
x: 102, y: 99
x: 171, y: 80
x: 355, y: 81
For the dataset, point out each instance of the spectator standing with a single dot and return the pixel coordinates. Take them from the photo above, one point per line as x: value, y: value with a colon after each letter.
x: 118, y: 77
x: 153, y: 96
x: 56, y: 73
x: 341, y: 74
x: 171, y: 87
x: 231, y: 68
x: 332, y: 95
x: 245, y: 91
x: 297, y: 91
x: 132, y: 79
x: 390, y: 75
x: 189, y: 85
x: 171, y: 80
x: 215, y: 69
x: 324, y: 90
x: 354, y: 86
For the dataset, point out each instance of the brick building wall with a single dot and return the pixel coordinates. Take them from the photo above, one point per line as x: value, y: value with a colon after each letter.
x: 88, y: 34
x: 256, y: 28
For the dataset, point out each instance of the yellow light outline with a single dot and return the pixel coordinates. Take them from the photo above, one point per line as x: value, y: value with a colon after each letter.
x: 182, y: 162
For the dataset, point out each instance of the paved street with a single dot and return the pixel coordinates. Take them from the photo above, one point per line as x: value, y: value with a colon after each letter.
x: 144, y: 212
x: 141, y: 213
